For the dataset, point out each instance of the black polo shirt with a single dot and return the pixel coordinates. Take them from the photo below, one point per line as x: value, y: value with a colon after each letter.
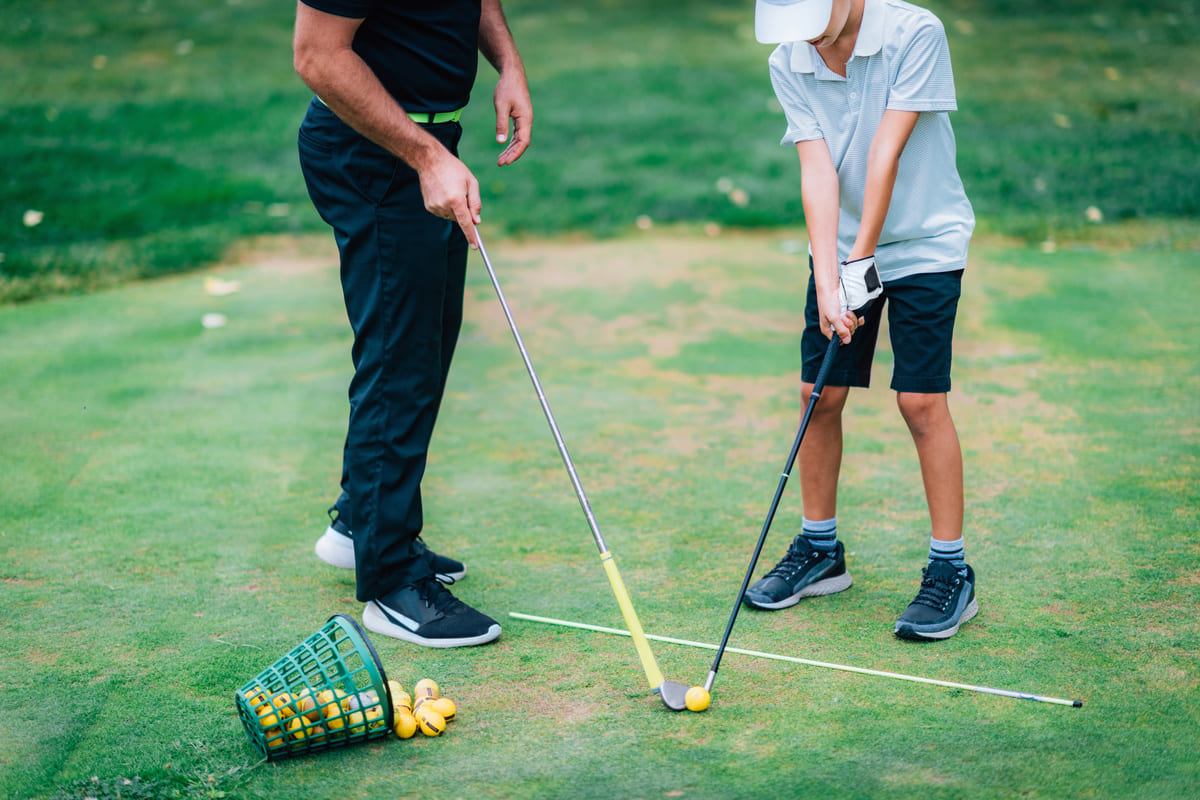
x: 425, y: 52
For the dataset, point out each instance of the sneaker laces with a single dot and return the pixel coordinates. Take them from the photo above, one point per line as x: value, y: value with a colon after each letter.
x: 437, y: 597
x: 795, y: 561
x: 936, y: 591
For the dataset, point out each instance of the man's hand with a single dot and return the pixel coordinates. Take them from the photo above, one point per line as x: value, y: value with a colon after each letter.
x: 325, y: 59
x: 511, y: 97
x: 450, y: 190
x: 512, y: 102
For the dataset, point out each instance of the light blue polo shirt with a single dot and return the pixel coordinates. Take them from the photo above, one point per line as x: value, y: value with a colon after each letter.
x: 901, y: 61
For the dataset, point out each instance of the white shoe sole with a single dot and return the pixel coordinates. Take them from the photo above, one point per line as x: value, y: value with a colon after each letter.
x: 827, y: 586
x: 335, y: 549
x: 909, y: 632
x: 375, y: 621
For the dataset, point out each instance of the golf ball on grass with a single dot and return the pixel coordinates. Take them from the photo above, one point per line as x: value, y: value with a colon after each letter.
x: 425, y: 710
x: 445, y: 707
x: 406, y: 725
x: 697, y: 699
x: 430, y: 722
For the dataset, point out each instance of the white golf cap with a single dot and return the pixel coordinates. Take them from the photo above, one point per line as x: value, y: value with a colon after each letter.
x: 778, y: 21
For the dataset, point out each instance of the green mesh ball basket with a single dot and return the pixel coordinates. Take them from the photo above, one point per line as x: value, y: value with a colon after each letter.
x: 329, y: 691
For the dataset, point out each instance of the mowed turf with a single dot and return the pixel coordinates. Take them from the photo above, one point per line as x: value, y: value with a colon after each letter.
x: 142, y: 137
x: 164, y: 484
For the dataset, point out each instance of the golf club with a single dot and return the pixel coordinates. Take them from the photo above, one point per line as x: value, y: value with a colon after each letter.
x: 672, y: 693
x: 818, y: 386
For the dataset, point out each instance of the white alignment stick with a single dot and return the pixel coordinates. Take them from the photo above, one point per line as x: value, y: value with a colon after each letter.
x: 704, y: 645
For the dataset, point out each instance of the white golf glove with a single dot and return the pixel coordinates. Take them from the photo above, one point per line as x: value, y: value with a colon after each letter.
x: 858, y: 284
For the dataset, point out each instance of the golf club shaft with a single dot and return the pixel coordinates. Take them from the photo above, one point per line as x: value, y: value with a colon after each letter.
x: 537, y: 385
x: 791, y: 659
x: 649, y: 664
x: 818, y: 387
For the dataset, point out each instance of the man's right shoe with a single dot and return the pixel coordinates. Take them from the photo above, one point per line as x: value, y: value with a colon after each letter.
x: 427, y: 614
x: 803, y: 572
x: 336, y: 548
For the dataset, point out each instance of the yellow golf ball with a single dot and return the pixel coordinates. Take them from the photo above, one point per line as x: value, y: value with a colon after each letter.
x: 697, y: 699
x: 402, y: 700
x: 430, y: 722
x: 444, y: 706
x: 425, y: 688
x: 375, y: 719
x: 295, y: 729
x: 406, y: 725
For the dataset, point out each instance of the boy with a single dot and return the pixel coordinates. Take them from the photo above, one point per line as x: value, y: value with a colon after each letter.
x: 866, y: 86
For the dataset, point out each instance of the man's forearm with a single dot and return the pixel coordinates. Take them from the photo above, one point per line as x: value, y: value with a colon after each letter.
x: 326, y: 62
x: 496, y: 40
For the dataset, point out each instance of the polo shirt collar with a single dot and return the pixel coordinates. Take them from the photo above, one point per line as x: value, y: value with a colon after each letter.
x: 869, y: 42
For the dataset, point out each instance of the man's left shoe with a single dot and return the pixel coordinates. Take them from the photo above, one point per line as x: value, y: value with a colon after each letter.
x: 945, y: 601
x: 336, y: 545
x: 336, y: 548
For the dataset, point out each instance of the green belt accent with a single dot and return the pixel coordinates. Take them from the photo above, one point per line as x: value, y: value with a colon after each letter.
x: 432, y: 118
x: 424, y: 117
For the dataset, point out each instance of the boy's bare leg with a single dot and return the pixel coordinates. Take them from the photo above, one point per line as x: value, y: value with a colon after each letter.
x: 815, y: 562
x: 938, y: 449
x: 820, y: 458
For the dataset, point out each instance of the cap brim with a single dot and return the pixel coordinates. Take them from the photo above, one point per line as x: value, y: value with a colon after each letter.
x: 798, y: 22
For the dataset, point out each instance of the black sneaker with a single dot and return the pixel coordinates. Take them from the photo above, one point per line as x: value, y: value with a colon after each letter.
x: 945, y: 601
x: 803, y: 572
x: 336, y: 548
x: 427, y: 614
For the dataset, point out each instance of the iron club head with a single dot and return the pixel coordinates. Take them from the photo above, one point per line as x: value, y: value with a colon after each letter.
x: 674, y: 695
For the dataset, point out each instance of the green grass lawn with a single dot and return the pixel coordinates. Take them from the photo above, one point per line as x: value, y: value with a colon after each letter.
x: 150, y: 134
x: 165, y: 484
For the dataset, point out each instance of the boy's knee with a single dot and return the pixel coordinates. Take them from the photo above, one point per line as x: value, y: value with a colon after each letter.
x: 922, y: 411
x: 832, y: 401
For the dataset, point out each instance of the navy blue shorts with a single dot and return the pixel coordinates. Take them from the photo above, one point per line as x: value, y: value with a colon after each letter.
x: 921, y: 310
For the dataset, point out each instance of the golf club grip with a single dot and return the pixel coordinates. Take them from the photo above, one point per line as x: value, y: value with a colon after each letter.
x: 649, y: 664
x: 826, y: 364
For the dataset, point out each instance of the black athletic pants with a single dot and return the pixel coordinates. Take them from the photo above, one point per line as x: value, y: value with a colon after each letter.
x: 403, y: 273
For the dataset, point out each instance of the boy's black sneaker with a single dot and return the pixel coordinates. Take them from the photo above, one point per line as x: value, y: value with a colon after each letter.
x: 803, y: 572
x: 336, y: 548
x: 427, y: 614
x: 945, y: 601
